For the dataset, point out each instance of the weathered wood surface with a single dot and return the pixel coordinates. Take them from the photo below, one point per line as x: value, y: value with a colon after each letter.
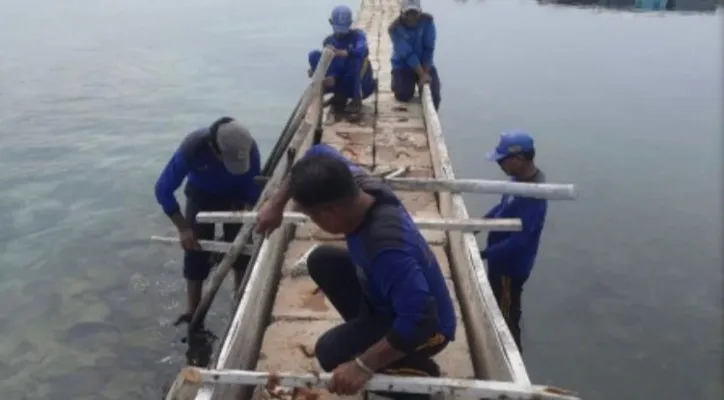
x: 391, y: 136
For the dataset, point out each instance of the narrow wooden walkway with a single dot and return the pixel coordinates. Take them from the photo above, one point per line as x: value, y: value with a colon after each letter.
x: 390, y: 135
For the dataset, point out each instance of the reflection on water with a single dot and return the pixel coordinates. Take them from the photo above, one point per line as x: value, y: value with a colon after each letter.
x: 644, y: 5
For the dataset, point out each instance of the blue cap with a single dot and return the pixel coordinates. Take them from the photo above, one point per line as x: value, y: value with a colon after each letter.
x: 511, y: 143
x: 341, y: 19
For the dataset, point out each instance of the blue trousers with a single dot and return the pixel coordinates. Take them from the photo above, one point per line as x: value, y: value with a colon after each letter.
x: 353, y: 77
x: 404, y: 81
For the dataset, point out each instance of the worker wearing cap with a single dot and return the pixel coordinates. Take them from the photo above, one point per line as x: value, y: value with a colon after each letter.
x: 413, y: 38
x: 387, y: 284
x: 219, y: 163
x: 510, y: 255
x: 349, y: 76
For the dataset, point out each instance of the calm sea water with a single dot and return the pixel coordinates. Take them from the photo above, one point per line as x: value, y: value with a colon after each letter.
x: 625, y: 301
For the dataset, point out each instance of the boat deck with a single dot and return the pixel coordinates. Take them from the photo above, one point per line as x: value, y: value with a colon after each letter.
x: 391, y: 135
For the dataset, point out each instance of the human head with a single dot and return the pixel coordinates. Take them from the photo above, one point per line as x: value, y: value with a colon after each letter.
x: 233, y: 143
x: 325, y: 190
x: 341, y: 20
x: 410, y: 11
x: 514, y: 153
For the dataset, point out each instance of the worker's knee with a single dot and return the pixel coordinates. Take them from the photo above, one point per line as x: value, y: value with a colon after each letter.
x: 403, y: 93
x: 330, y: 351
x: 403, y: 84
x: 322, y: 261
x: 314, y: 57
x: 196, y: 265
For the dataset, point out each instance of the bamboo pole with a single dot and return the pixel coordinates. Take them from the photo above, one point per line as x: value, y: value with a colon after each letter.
x: 450, y: 224
x: 206, y: 245
x: 548, y: 191
x: 466, y: 388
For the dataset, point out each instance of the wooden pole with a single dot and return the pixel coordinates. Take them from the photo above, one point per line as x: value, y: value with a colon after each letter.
x: 452, y: 388
x: 549, y: 191
x: 206, y: 245
x: 464, y: 225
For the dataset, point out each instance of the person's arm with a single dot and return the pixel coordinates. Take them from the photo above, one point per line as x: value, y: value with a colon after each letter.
x: 252, y: 191
x: 532, y: 216
x: 170, y: 179
x: 400, y: 277
x: 404, y: 50
x: 492, y: 211
x: 280, y: 198
x: 360, y: 48
x: 428, y: 45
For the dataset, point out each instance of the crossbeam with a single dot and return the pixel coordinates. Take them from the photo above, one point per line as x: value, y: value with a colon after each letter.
x: 549, y: 191
x: 472, y: 388
x: 206, y: 245
x: 445, y: 224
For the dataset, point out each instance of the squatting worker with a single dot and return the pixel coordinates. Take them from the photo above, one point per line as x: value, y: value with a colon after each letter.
x: 387, y: 285
x: 510, y: 255
x: 219, y: 162
x: 349, y: 76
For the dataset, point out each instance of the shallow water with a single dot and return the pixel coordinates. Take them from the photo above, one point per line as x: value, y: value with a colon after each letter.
x: 94, y: 96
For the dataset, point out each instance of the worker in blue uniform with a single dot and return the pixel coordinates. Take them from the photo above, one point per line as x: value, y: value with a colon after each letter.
x: 219, y: 163
x: 349, y: 76
x: 413, y: 38
x: 387, y: 285
x: 510, y: 255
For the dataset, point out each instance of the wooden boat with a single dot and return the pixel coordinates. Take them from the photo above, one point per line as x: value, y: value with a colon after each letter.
x: 280, y: 314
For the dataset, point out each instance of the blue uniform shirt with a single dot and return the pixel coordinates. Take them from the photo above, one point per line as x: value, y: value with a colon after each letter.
x: 413, y: 46
x: 514, y: 253
x: 398, y: 271
x: 206, y: 175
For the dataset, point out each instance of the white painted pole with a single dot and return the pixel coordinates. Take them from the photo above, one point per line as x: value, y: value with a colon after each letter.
x: 548, y: 191
x: 472, y: 388
x: 467, y: 225
x: 206, y: 245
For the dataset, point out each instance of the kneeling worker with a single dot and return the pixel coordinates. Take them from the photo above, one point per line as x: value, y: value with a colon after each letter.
x: 387, y: 285
x: 413, y: 38
x: 220, y: 163
x: 349, y: 75
x: 510, y: 255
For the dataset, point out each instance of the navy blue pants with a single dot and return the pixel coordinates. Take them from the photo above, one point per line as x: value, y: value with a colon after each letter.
x: 508, y: 291
x: 353, y: 77
x: 404, y: 82
x: 333, y: 271
x: 197, y: 264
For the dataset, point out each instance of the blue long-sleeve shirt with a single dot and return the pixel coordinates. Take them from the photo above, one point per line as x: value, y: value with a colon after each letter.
x: 514, y: 253
x: 206, y: 175
x: 400, y: 275
x: 413, y: 46
x: 355, y: 42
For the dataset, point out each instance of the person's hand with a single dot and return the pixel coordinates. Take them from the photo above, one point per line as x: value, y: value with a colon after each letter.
x: 348, y: 379
x: 425, y: 78
x: 269, y: 217
x: 188, y: 239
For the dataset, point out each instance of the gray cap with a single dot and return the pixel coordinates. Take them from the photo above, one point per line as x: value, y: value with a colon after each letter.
x: 235, y: 143
x: 409, y: 5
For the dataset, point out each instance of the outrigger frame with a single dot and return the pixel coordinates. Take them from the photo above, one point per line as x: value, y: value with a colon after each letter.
x: 469, y: 388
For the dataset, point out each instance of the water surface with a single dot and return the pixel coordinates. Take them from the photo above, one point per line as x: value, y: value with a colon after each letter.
x: 625, y: 301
